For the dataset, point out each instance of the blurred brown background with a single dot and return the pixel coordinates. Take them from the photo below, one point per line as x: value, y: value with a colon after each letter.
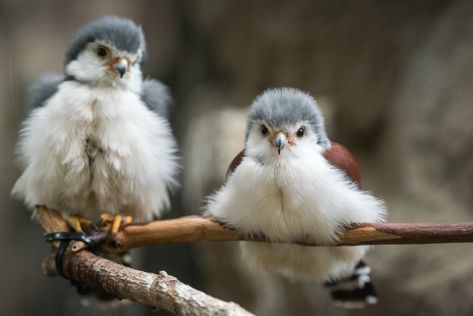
x: 393, y: 78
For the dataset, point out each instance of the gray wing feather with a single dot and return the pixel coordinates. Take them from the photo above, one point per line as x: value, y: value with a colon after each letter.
x: 42, y: 90
x: 156, y: 96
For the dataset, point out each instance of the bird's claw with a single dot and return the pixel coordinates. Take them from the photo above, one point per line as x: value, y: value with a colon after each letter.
x: 114, y: 222
x: 77, y: 222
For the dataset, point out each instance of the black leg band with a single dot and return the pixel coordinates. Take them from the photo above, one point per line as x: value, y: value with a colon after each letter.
x: 65, y: 238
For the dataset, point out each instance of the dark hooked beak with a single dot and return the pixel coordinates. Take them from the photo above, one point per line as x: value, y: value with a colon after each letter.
x: 280, y: 142
x: 121, y: 66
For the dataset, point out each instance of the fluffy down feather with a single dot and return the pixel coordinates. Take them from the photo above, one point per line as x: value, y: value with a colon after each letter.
x: 293, y: 193
x: 299, y: 198
x: 91, y: 150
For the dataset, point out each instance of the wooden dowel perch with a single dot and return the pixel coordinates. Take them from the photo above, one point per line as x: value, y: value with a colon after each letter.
x: 193, y: 229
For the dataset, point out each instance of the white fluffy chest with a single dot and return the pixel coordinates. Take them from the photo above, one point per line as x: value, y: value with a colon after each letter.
x: 90, y: 149
x: 292, y: 199
x: 102, y: 131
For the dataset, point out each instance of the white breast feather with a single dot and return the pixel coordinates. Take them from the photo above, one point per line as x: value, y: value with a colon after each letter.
x: 133, y: 154
x: 294, y: 199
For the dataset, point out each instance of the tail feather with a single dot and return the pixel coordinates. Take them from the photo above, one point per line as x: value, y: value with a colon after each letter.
x: 355, y: 291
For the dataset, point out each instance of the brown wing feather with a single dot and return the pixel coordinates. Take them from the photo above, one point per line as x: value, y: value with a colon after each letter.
x: 235, y: 162
x: 341, y: 158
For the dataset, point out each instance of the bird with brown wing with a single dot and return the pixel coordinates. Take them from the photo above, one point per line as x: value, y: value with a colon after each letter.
x: 291, y: 183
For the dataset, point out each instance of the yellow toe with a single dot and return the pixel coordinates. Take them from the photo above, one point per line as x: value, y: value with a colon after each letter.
x: 106, y: 217
x: 75, y: 222
x: 117, y: 220
x: 128, y: 219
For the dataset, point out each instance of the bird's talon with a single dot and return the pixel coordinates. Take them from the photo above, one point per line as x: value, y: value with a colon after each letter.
x: 128, y: 220
x: 78, y: 223
x: 115, y: 243
x: 84, y: 221
x: 113, y: 223
x: 106, y: 217
x: 117, y: 221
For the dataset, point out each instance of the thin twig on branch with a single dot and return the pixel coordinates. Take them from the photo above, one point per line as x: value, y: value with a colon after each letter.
x: 161, y: 291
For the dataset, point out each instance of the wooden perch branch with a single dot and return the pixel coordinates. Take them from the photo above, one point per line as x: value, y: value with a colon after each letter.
x: 193, y: 229
x: 164, y: 291
x: 161, y: 291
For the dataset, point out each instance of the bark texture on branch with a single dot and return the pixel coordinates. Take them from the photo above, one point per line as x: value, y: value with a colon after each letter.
x: 160, y: 291
x: 163, y: 291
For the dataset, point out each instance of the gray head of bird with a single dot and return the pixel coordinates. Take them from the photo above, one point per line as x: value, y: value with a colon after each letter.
x: 106, y: 52
x: 284, y: 123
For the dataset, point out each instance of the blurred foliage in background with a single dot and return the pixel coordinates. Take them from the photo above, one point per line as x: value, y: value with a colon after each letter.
x: 394, y: 80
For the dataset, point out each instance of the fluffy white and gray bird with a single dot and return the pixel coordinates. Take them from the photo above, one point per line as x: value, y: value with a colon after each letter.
x: 290, y: 183
x: 97, y: 139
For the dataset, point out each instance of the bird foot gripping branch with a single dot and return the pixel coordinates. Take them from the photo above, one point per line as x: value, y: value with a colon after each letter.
x: 116, y: 221
x: 159, y: 291
x: 98, y: 238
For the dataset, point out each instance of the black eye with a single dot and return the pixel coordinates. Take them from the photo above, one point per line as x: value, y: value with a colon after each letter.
x: 264, y: 130
x: 102, y: 51
x: 300, y: 132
